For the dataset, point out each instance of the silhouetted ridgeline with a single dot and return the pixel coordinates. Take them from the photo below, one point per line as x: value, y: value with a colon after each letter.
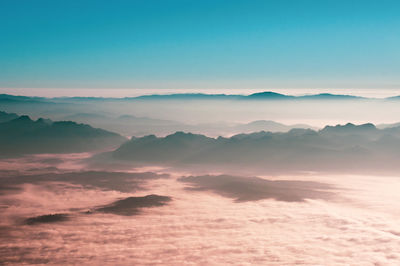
x: 266, y: 95
x: 23, y: 136
x: 4, y: 117
x: 347, y: 147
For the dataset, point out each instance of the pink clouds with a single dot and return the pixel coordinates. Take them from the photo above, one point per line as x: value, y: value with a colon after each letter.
x: 359, y: 225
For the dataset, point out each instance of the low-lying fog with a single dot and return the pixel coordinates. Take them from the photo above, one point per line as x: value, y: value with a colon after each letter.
x: 58, y: 209
x: 133, y: 117
x: 308, y: 196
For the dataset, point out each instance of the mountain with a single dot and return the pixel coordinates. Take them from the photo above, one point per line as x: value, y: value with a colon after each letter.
x: 266, y: 95
x: 350, y: 128
x: 127, y: 125
x: 25, y: 136
x: 7, y: 98
x: 131, y: 125
x: 170, y: 148
x: 393, y: 98
x: 358, y: 148
x: 4, y: 117
x: 329, y: 96
x: 269, y: 95
x: 84, y: 116
x: 266, y: 125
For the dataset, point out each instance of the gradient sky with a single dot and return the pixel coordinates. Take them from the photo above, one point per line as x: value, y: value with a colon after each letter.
x: 187, y: 44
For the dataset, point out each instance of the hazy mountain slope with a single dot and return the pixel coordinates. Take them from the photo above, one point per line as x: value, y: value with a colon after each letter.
x: 23, y: 136
x: 266, y: 125
x: 268, y: 95
x: 392, y: 125
x: 348, y: 147
x: 265, y: 95
x: 4, y: 117
x: 16, y: 99
x: 329, y: 96
x: 130, y: 125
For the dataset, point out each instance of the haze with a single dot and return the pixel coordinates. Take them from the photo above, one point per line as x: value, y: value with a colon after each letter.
x: 200, y: 132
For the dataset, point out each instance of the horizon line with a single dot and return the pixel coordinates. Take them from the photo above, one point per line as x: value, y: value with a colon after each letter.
x: 135, y: 93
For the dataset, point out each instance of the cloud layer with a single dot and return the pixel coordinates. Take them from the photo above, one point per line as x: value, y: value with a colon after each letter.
x: 132, y: 205
x: 253, y: 188
x: 116, y: 217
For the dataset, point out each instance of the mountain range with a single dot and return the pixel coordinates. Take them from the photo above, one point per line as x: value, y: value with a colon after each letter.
x: 266, y: 95
x: 131, y: 125
x: 4, y: 117
x: 22, y: 135
x: 359, y: 148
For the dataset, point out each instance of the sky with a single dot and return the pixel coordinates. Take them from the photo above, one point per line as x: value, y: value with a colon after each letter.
x: 196, y: 45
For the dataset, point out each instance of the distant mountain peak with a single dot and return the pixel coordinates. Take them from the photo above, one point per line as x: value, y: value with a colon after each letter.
x: 263, y: 122
x: 328, y: 96
x: 4, y: 117
x: 22, y: 119
x: 269, y: 94
x: 349, y: 127
x: 185, y: 135
x: 22, y: 135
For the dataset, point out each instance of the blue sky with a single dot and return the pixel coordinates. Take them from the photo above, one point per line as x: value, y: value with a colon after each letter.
x: 200, y: 44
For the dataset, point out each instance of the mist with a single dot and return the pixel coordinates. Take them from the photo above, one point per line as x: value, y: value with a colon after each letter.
x: 200, y: 132
x: 58, y: 212
x: 199, y: 179
x: 213, y: 116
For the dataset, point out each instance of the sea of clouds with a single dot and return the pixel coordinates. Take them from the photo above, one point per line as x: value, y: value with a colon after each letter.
x: 271, y: 220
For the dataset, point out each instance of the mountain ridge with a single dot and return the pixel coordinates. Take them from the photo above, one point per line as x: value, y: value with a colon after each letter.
x: 263, y: 95
x: 23, y: 135
x: 346, y: 147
